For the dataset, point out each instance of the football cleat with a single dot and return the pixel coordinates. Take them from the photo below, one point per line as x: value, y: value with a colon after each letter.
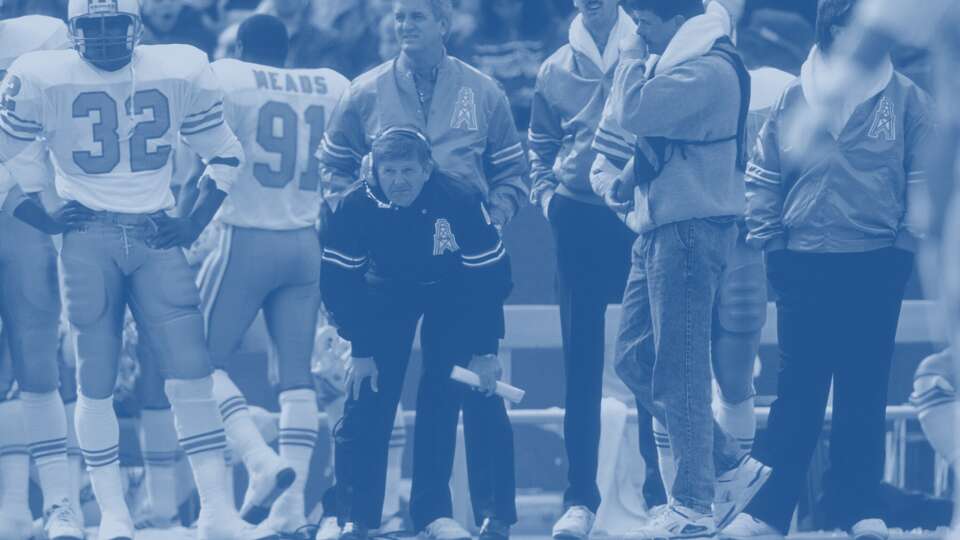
x: 105, y: 32
x: 267, y: 482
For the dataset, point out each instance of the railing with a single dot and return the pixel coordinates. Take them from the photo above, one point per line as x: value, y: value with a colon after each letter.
x: 538, y: 327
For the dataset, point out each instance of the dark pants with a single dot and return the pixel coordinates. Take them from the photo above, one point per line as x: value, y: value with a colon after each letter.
x: 837, y: 319
x: 363, y: 434
x: 593, y: 260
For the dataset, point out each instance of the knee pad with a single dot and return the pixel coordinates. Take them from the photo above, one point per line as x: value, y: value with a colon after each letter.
x: 180, y: 345
x: 742, y: 305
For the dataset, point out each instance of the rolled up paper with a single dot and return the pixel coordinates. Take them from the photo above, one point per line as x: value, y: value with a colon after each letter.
x: 504, y: 390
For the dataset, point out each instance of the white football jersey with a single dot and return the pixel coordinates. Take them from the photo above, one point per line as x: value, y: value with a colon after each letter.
x: 111, y: 152
x: 17, y: 37
x: 279, y: 116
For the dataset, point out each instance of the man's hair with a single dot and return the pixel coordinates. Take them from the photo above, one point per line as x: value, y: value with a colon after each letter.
x: 667, y: 9
x: 264, y: 40
x: 402, y: 142
x: 832, y: 13
x: 443, y: 12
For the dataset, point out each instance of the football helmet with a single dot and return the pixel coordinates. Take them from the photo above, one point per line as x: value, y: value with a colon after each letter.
x: 105, y: 32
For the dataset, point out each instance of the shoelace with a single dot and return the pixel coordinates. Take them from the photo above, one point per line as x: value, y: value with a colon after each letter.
x: 61, y: 514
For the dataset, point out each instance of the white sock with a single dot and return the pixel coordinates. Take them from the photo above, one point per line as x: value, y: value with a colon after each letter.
x: 299, y: 422
x: 14, y: 460
x: 74, y: 457
x: 242, y: 433
x: 202, y: 438
x: 158, y: 443
x: 668, y: 467
x: 99, y: 434
x: 737, y: 419
x: 47, y: 440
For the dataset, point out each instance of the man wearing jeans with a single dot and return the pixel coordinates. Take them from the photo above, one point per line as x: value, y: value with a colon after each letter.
x: 689, y: 116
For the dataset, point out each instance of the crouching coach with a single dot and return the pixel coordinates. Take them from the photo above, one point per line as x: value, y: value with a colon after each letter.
x: 405, y: 244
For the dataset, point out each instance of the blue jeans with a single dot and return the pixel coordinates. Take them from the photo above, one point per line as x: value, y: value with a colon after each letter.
x: 663, y: 348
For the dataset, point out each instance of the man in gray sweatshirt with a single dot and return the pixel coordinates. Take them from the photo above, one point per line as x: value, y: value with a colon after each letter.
x: 688, y: 112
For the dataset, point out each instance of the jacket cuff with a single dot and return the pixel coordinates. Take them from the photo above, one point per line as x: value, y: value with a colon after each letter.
x: 486, y: 346
x: 361, y: 348
x: 776, y: 243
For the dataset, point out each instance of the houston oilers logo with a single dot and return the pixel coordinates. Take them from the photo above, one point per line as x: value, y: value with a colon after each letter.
x: 443, y: 239
x: 465, y: 113
x: 884, y: 121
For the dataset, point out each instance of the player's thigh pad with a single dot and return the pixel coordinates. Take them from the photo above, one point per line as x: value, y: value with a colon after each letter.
x: 742, y: 305
x: 165, y: 303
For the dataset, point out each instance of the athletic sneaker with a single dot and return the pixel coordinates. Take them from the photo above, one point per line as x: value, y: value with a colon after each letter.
x: 747, y: 527
x: 445, y: 529
x: 676, y: 523
x: 870, y: 529
x: 354, y: 531
x: 735, y: 489
x: 494, y: 529
x: 60, y: 523
x: 328, y: 529
x: 575, y: 524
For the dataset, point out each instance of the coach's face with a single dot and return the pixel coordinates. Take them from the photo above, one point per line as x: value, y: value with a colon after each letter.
x: 402, y: 180
x: 417, y: 28
x: 597, y: 11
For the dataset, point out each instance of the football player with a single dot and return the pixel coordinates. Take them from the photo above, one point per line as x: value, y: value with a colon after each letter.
x: 30, y: 309
x: 110, y: 113
x: 278, y: 114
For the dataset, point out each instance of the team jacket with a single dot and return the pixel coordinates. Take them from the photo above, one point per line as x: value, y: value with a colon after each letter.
x: 111, y: 134
x: 443, y: 244
x: 567, y: 104
x: 850, y: 195
x: 470, y: 126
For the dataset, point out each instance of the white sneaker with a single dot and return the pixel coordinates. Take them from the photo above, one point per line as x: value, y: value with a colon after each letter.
x: 575, y: 524
x: 115, y: 528
x: 328, y: 529
x: 747, y: 527
x: 287, y: 514
x: 60, y: 523
x: 16, y: 525
x: 211, y: 527
x: 870, y: 529
x: 267, y: 481
x: 676, y: 523
x: 735, y: 489
x: 445, y: 529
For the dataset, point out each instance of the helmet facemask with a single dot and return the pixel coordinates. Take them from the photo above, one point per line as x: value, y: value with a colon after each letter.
x: 106, y: 41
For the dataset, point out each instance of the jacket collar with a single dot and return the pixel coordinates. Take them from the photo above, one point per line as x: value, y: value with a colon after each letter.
x: 582, y: 42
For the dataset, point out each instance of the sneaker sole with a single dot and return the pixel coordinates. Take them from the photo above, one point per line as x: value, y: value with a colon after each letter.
x: 259, y: 512
x: 569, y: 536
x: 759, y: 479
x: 68, y: 537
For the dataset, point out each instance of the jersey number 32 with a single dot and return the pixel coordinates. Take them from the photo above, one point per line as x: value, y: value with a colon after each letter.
x: 105, y: 132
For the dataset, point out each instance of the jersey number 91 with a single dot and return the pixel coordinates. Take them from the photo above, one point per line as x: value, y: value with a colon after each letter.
x: 285, y: 144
